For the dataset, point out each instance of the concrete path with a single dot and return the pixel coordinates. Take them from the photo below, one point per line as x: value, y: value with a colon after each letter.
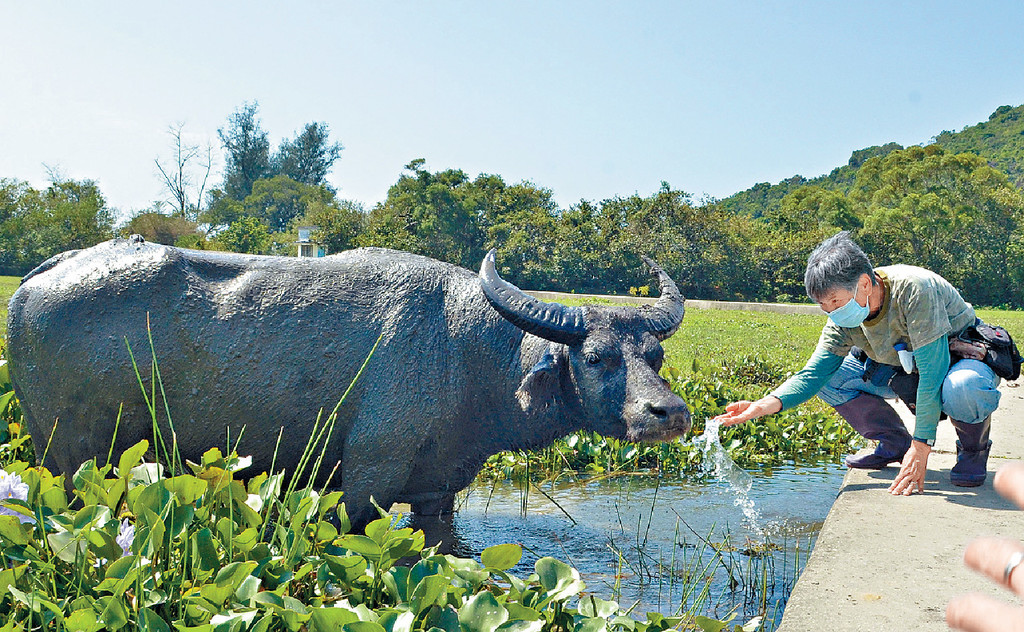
x: 892, y: 563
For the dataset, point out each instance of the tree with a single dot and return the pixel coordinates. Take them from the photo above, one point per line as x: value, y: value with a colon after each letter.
x: 248, y: 151
x: 159, y: 228
x: 309, y: 157
x: 185, y: 179
x: 247, y: 235
x: 519, y: 220
x: 35, y: 225
x: 433, y: 214
x: 338, y: 222
x: 279, y: 200
x: 804, y: 218
x: 950, y: 213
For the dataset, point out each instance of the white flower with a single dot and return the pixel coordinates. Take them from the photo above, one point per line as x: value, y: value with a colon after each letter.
x: 126, y: 536
x: 13, y: 488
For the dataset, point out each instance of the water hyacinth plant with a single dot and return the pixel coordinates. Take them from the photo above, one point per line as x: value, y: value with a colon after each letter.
x: 205, y: 552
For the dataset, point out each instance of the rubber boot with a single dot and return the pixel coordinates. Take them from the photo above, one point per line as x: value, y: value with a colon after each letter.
x: 874, y: 418
x: 971, y: 453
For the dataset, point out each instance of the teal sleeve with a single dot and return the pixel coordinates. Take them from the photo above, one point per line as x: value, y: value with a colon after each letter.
x: 806, y: 382
x: 932, y: 363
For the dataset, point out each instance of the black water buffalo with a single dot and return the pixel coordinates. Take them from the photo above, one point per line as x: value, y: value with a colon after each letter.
x: 467, y: 365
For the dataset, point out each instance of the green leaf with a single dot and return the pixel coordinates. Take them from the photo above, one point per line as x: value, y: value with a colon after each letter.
x: 187, y: 488
x: 360, y: 544
x: 502, y: 556
x: 394, y: 621
x: 591, y: 624
x: 247, y: 589
x: 331, y: 619
x: 208, y: 558
x: 263, y: 625
x: 363, y: 626
x: 120, y: 575
x: 83, y: 620
x: 112, y: 612
x: 150, y: 532
x: 444, y: 618
x: 428, y: 592
x: 178, y: 519
x: 519, y: 612
x: 5, y: 399
x: 560, y: 580
x: 591, y: 606
x: 524, y: 626
x: 102, y: 544
x: 150, y: 621
x: 12, y: 530
x: 67, y: 546
x: 9, y: 576
x: 482, y: 613
x: 227, y: 581
x: 711, y: 625
x: 397, y: 582
x: 131, y: 457
x: 378, y: 529
x: 347, y: 569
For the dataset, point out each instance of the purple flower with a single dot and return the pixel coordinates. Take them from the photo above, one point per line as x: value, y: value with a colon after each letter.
x: 13, y: 488
x: 126, y: 536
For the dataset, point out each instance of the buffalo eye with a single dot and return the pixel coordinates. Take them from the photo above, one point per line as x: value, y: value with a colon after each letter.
x: 592, y: 358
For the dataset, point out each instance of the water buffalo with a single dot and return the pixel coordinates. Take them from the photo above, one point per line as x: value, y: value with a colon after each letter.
x: 467, y: 365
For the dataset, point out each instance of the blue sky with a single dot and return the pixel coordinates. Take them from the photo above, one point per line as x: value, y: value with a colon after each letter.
x: 589, y: 99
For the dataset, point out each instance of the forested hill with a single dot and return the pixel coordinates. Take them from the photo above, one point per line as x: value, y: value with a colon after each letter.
x: 1000, y: 140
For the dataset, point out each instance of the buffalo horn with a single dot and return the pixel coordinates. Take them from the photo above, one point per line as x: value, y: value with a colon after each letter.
x: 665, y: 316
x: 551, y: 321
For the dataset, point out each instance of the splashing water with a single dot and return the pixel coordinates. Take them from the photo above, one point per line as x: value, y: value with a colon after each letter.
x: 717, y: 463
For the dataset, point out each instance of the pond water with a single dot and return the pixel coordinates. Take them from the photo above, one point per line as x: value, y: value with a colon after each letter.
x: 665, y: 545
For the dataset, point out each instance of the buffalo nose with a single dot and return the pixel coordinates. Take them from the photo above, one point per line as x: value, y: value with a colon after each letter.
x: 673, y: 415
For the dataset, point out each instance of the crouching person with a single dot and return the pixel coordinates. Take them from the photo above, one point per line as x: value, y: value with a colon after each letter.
x: 874, y: 312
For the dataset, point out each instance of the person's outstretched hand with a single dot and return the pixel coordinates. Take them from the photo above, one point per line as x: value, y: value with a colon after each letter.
x: 994, y: 557
x: 741, y: 411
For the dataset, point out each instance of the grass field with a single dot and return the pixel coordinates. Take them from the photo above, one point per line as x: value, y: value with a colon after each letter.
x: 7, y: 286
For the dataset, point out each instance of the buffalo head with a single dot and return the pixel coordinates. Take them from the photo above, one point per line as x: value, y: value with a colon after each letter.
x: 601, y: 363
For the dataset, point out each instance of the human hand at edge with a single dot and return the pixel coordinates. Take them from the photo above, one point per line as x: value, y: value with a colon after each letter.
x: 741, y: 411
x: 989, y: 556
x: 912, y: 470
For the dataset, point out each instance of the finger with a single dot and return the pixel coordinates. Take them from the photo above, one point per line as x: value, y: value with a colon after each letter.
x: 979, y: 613
x: 1009, y: 482
x: 899, y: 485
x: 989, y: 557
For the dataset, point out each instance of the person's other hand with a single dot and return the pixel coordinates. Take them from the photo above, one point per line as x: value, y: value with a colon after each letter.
x: 993, y: 557
x: 912, y: 470
x: 741, y: 411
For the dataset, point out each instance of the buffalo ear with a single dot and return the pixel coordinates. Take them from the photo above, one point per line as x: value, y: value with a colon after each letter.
x: 539, y: 388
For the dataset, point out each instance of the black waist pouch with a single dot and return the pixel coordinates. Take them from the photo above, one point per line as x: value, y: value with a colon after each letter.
x: 1002, y: 357
x: 903, y: 384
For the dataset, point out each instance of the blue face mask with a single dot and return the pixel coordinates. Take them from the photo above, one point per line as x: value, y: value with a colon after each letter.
x: 852, y: 314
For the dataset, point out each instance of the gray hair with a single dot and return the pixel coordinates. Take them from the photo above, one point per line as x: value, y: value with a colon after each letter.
x: 836, y: 264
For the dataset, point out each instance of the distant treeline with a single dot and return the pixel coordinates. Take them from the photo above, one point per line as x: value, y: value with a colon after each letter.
x: 950, y: 210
